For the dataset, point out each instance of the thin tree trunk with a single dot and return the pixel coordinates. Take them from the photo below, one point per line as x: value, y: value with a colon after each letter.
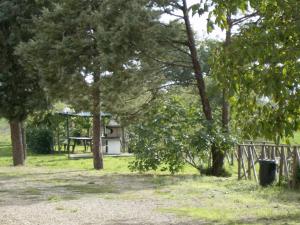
x: 17, y: 143
x: 196, y: 64
x: 217, y: 161
x: 58, y: 141
x: 97, y: 143
x: 123, y: 139
x: 225, y: 111
x: 225, y: 102
x: 217, y: 154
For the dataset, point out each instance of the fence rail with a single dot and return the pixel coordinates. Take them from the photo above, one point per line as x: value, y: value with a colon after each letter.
x: 286, y: 156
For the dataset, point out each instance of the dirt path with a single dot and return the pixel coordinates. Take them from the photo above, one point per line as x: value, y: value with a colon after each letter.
x: 41, y: 197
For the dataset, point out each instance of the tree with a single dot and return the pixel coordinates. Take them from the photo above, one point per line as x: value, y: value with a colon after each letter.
x: 187, y: 45
x: 128, y: 94
x: 20, y: 92
x: 84, y: 42
x: 265, y: 77
x: 174, y: 133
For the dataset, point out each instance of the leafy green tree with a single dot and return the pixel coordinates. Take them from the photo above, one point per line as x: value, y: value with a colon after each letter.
x: 173, y: 133
x: 78, y: 44
x: 187, y: 45
x: 227, y: 15
x: 265, y: 76
x: 20, y: 92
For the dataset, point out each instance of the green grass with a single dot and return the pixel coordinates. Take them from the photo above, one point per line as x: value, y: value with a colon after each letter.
x: 296, y: 138
x: 56, y: 161
x: 5, y: 146
x: 226, y: 201
x: 4, y: 130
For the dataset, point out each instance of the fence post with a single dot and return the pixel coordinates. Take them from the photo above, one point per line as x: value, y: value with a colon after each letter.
x: 249, y: 162
x: 263, y: 151
x: 269, y: 152
x: 239, y: 162
x: 281, y: 165
x: 295, y: 166
x: 273, y: 154
x: 252, y: 163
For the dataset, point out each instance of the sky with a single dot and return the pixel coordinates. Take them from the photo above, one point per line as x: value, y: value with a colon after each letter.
x: 199, y: 25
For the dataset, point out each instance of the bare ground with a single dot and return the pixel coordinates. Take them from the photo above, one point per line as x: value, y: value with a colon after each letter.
x: 36, y: 196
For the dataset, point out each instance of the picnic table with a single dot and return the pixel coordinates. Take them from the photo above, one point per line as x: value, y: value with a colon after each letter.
x: 87, y: 141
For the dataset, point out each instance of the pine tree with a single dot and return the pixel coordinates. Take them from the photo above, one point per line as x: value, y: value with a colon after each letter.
x: 78, y: 44
x: 20, y: 92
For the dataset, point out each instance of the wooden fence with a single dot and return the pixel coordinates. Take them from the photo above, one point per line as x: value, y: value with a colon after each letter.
x: 286, y: 156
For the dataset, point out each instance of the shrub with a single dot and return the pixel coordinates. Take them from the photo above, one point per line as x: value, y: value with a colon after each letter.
x: 39, y: 140
x: 172, y: 134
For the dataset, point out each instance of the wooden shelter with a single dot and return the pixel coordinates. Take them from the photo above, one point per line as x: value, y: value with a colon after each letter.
x: 111, y: 133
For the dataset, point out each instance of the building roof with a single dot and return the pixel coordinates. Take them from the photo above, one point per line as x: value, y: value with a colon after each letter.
x: 83, y: 114
x: 112, y: 123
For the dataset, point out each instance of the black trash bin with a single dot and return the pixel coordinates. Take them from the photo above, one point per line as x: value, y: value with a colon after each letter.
x: 267, y: 172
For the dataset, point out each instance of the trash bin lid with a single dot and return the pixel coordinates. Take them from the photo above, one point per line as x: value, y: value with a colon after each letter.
x: 267, y: 161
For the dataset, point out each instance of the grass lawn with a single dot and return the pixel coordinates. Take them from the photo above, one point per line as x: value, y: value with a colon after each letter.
x: 53, y: 180
x: 296, y: 138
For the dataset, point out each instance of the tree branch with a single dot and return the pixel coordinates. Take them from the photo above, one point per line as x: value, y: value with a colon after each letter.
x: 168, y: 11
x: 242, y: 19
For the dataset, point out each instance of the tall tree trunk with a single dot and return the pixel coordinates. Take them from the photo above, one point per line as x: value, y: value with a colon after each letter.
x: 217, y: 161
x: 97, y: 143
x: 17, y: 143
x: 123, y: 138
x: 23, y: 130
x: 217, y: 154
x: 225, y: 102
x: 196, y: 64
x: 225, y: 111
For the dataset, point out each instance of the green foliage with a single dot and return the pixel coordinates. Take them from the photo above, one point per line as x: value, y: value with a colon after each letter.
x: 4, y: 129
x: 174, y: 133
x: 79, y: 126
x: 86, y: 44
x: 20, y: 92
x: 39, y: 140
x: 184, y: 75
x: 50, y: 120
x: 226, y: 14
x: 265, y: 76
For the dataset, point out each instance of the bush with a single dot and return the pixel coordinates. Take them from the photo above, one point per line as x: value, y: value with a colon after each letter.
x: 39, y: 140
x: 173, y: 134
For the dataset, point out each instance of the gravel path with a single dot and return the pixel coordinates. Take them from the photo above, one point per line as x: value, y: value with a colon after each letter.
x: 86, y: 211
x: 81, y: 198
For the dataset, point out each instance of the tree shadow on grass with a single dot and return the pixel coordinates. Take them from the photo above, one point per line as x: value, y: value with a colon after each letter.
x: 5, y: 149
x: 37, y: 187
x: 292, y: 218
